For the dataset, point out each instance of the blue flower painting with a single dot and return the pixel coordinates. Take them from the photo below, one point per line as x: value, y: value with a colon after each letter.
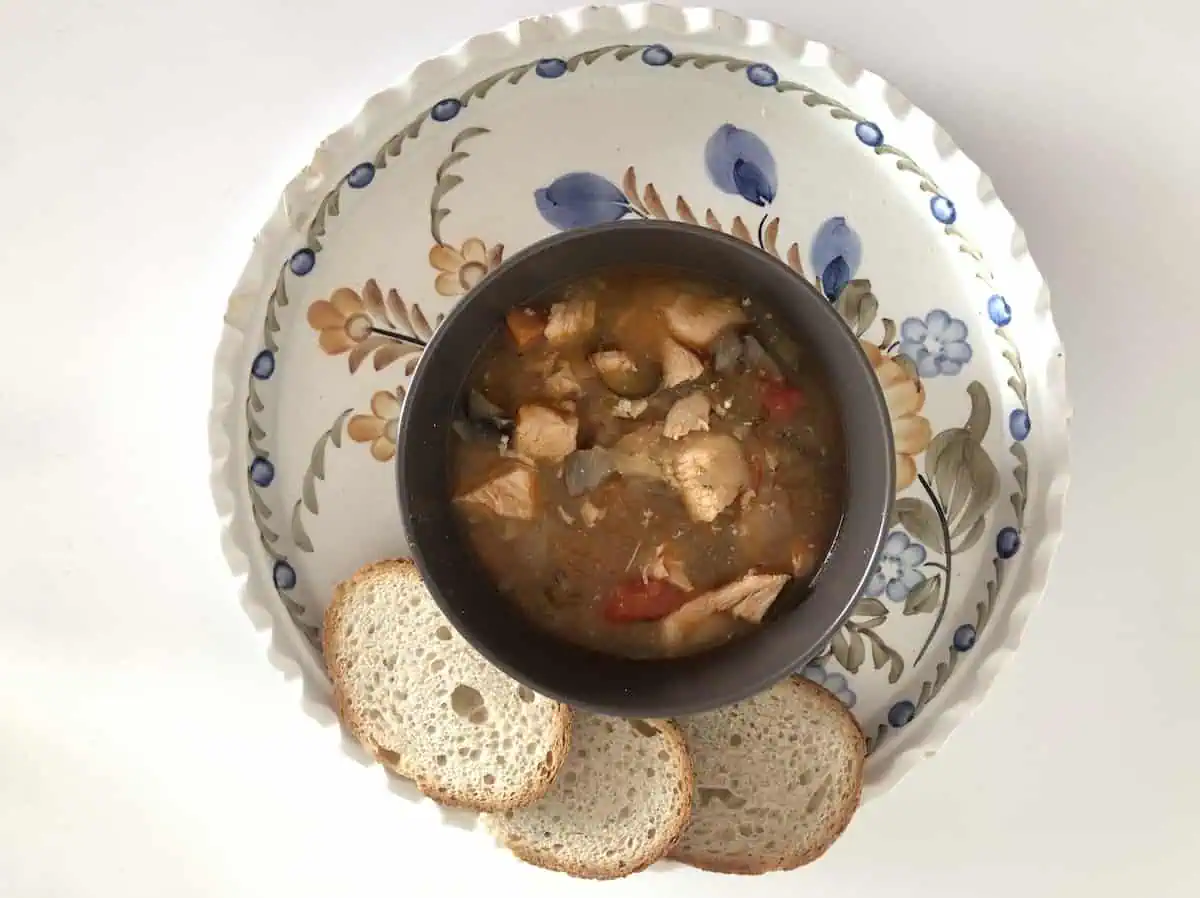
x: 739, y: 163
x: 580, y: 199
x: 899, y: 569
x: 833, y: 682
x: 836, y: 255
x: 937, y: 345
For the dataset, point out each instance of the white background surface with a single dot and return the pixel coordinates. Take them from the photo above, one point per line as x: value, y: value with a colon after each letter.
x: 147, y: 748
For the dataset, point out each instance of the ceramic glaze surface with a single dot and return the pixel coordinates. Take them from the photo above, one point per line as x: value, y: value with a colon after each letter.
x: 643, y: 113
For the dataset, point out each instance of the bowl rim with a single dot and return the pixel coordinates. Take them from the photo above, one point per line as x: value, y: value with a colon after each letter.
x: 428, y: 368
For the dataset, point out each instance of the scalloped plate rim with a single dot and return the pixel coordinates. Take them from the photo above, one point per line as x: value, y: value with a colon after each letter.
x: 972, y: 680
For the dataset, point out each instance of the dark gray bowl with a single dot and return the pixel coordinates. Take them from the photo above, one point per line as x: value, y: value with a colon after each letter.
x: 493, y: 624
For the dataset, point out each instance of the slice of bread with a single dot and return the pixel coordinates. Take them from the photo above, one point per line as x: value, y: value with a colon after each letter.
x: 778, y: 777
x: 425, y: 704
x: 619, y: 804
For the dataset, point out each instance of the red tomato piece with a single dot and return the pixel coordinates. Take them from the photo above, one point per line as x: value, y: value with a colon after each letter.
x: 781, y: 400
x: 638, y: 601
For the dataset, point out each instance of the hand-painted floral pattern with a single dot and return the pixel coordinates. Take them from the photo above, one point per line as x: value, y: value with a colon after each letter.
x: 898, y: 571
x: 836, y: 255
x: 580, y: 199
x: 834, y: 682
x: 380, y: 428
x: 346, y: 323
x: 942, y: 512
x: 342, y: 320
x: 461, y: 269
x: 905, y: 398
x: 937, y: 345
x: 740, y: 163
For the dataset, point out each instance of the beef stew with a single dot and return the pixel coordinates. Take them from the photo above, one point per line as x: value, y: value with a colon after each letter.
x: 644, y: 463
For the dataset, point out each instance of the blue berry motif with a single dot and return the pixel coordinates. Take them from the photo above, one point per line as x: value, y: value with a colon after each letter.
x: 868, y: 133
x: 263, y: 365
x: 550, y: 68
x: 902, y: 713
x: 964, y: 638
x: 999, y: 311
x: 284, y: 575
x: 943, y: 210
x: 656, y: 55
x: 762, y: 75
x: 445, y: 110
x: 262, y: 471
x: 1008, y: 541
x: 302, y: 262
x: 1019, y: 424
x: 361, y: 175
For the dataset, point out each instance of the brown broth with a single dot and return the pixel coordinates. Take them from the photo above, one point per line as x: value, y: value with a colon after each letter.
x: 564, y: 556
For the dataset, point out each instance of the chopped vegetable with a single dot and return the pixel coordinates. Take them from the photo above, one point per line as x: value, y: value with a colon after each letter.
x: 526, y: 326
x: 781, y: 400
x: 636, y: 600
x: 587, y: 469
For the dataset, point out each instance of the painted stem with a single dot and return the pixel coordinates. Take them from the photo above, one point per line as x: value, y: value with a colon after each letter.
x: 397, y: 336
x: 762, y: 225
x: 941, y: 612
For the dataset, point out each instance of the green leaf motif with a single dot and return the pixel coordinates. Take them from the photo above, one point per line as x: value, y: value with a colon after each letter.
x: 858, y: 306
x: 964, y: 477
x: 920, y: 520
x: 973, y: 535
x: 869, y: 607
x: 924, y: 598
x: 848, y: 649
x: 299, y: 534
x: 981, y: 411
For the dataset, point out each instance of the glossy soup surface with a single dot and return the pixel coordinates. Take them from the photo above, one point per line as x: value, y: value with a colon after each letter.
x: 644, y: 463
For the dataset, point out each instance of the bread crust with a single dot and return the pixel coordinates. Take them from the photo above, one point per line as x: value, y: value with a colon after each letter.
x: 443, y: 793
x: 752, y: 866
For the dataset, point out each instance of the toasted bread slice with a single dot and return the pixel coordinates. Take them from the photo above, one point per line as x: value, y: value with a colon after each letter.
x: 778, y: 777
x: 618, y: 805
x: 424, y: 703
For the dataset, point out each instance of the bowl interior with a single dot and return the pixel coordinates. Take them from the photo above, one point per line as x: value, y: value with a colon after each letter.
x: 588, y: 679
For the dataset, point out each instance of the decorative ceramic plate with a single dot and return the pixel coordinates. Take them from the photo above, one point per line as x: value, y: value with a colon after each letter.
x: 689, y: 115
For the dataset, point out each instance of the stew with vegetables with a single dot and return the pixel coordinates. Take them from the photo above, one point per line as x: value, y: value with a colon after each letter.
x: 644, y: 463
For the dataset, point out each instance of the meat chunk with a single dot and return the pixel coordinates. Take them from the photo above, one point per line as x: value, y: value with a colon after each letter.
x: 641, y: 453
x: 709, y: 471
x: 544, y: 434
x: 590, y: 513
x: 571, y: 321
x: 561, y: 382
x: 747, y: 598
x: 696, y: 321
x: 687, y: 415
x: 666, y: 565
x: 679, y: 364
x: 757, y: 593
x: 510, y: 494
x: 627, y: 375
x: 630, y: 409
